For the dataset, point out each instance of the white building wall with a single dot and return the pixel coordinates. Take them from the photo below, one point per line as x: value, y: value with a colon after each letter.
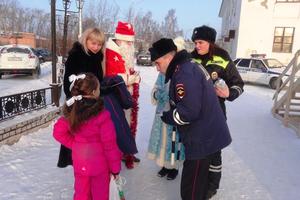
x: 287, y: 15
x: 255, y: 30
x: 255, y: 25
x: 230, y: 21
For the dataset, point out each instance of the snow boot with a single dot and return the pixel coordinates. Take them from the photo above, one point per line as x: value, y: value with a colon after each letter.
x: 172, y: 174
x: 210, y: 193
x: 129, y: 161
x: 163, y: 172
x: 136, y: 159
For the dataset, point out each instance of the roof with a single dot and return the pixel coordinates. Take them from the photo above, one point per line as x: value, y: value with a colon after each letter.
x: 221, y: 9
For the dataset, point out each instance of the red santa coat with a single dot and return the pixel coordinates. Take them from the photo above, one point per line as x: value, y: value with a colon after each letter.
x: 115, y: 65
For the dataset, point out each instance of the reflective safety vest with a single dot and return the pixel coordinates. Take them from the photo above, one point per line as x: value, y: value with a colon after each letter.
x: 216, y: 60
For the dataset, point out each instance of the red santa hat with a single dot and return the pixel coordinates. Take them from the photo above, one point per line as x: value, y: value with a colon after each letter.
x: 124, y: 31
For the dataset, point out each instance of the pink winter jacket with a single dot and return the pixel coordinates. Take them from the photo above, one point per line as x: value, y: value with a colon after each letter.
x: 94, y: 146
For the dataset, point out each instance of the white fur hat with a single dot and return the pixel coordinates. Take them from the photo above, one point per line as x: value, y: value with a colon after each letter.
x: 180, y: 43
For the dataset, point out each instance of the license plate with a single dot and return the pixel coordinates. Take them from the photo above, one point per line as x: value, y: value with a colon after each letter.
x: 14, y: 59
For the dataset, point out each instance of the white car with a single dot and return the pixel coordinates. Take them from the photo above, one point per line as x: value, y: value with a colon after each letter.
x: 260, y: 70
x: 19, y: 59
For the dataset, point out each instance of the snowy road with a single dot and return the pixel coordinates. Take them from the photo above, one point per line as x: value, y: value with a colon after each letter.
x: 262, y: 163
x: 12, y: 84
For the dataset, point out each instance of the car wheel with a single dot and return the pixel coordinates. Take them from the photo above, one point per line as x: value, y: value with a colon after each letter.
x: 273, y: 83
x: 0, y: 76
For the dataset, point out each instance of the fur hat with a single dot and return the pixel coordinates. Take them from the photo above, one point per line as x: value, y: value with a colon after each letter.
x: 124, y: 31
x: 204, y: 33
x: 161, y: 48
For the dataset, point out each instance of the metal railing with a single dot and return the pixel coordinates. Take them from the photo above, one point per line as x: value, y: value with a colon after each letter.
x: 294, y: 66
x: 16, y: 104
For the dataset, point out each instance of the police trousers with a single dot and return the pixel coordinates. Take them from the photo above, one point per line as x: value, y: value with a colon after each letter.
x: 194, y: 179
x: 215, y: 170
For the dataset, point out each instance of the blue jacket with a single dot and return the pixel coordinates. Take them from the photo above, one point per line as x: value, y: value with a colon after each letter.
x: 195, y: 108
x: 117, y: 98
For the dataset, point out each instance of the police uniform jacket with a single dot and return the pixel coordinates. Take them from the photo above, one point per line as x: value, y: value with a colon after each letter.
x: 195, y: 109
x: 220, y: 65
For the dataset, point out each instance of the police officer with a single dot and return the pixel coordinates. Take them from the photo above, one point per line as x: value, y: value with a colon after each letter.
x: 227, y: 80
x: 195, y: 112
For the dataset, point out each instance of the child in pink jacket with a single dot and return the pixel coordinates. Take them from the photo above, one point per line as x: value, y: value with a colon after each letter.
x: 88, y: 130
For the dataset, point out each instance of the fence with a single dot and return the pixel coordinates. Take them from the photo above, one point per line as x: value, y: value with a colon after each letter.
x: 17, y: 104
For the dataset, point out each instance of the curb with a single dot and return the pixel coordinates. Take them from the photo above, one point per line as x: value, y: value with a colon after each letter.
x: 13, y: 129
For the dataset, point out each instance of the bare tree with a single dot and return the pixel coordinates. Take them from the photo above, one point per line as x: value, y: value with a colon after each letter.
x: 14, y: 18
x: 100, y: 13
x: 104, y: 14
x: 130, y: 15
x: 147, y: 30
x: 169, y: 26
x: 8, y: 10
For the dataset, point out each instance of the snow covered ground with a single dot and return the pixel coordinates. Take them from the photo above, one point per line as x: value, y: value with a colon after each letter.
x: 261, y: 164
x: 12, y: 84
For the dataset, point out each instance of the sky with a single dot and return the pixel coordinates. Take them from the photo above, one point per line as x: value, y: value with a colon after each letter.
x: 261, y: 163
x: 190, y: 13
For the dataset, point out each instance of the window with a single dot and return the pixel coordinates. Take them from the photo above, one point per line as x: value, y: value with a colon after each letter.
x: 244, y: 63
x: 273, y: 63
x: 287, y: 1
x: 236, y: 61
x: 283, y: 39
x: 15, y: 50
x: 258, y: 65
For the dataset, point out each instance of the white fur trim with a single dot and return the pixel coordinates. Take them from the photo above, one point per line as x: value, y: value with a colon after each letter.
x: 112, y: 46
x: 129, y: 38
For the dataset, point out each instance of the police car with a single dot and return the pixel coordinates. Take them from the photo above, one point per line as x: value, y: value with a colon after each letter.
x: 260, y: 70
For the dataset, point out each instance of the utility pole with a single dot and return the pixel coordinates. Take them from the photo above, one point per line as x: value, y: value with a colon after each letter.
x: 54, y: 93
x: 66, y: 21
x: 79, y: 4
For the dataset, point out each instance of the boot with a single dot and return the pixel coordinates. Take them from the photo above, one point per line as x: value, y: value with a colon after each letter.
x: 129, y: 161
x: 136, y: 159
x: 211, y: 193
x: 163, y: 172
x: 172, y: 174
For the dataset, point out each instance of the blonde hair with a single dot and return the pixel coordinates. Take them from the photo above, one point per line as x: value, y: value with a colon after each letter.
x: 91, y: 34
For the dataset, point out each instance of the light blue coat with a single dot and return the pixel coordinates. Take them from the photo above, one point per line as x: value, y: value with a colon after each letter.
x: 160, y: 142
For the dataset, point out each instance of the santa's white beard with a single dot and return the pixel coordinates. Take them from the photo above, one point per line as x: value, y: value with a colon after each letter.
x: 127, y: 53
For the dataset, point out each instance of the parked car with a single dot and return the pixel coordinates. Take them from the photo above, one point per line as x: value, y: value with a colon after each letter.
x: 43, y: 54
x: 19, y: 59
x: 143, y: 58
x: 260, y: 70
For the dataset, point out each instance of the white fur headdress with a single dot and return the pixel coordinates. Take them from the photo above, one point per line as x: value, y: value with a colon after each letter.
x: 180, y: 43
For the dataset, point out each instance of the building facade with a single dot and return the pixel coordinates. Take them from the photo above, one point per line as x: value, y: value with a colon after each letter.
x: 270, y: 27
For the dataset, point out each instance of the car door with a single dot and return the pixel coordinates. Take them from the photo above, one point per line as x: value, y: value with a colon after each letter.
x: 258, y: 72
x: 243, y: 67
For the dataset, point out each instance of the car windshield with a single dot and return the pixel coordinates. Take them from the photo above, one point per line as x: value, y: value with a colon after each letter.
x: 15, y: 50
x: 273, y: 63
